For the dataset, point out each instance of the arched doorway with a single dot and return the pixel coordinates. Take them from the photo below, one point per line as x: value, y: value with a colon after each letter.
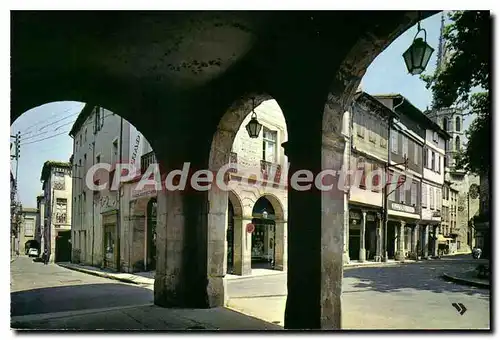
x: 264, y: 235
x: 151, y: 234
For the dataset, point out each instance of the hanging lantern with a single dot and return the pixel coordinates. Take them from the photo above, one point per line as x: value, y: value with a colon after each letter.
x: 417, y: 56
x: 253, y: 127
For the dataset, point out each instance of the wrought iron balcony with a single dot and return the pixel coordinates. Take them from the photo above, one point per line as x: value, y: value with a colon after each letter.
x: 270, y: 169
x: 61, y: 218
x: 233, y: 162
x: 146, y: 160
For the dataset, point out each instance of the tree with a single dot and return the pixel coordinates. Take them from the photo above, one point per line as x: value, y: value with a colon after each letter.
x: 465, y: 70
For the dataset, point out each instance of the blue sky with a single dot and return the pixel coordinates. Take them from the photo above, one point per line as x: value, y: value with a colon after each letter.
x: 386, y: 74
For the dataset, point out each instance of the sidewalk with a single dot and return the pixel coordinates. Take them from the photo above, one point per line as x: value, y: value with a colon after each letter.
x: 142, y: 278
x: 145, y: 317
x: 147, y: 278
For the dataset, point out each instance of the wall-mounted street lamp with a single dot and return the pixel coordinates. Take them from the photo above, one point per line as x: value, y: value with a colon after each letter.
x: 253, y: 127
x: 417, y: 56
x: 264, y: 214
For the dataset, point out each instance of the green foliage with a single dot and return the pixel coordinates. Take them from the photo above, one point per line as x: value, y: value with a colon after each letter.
x: 466, y: 68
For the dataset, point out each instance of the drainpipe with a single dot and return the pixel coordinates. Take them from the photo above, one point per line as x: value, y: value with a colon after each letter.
x: 93, y: 207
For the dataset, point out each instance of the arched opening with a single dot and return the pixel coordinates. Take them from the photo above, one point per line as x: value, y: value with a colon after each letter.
x: 234, y: 216
x: 445, y: 124
x: 457, y: 143
x: 65, y: 142
x: 255, y: 166
x: 264, y: 235
x: 458, y: 124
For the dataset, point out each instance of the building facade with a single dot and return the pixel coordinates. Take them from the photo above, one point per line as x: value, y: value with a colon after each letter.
x: 406, y: 235
x: 366, y: 147
x: 28, y: 237
x: 482, y: 220
x: 99, y: 137
x: 57, y: 189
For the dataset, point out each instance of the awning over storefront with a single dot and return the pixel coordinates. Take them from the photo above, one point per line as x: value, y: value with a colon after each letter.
x: 442, y: 239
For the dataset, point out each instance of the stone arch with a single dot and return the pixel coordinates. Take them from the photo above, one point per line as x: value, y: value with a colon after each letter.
x: 219, y: 156
x: 236, y: 202
x: 279, y: 211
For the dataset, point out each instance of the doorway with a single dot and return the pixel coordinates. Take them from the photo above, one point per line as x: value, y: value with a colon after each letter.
x: 264, y: 236
x: 151, y: 214
x: 63, y: 246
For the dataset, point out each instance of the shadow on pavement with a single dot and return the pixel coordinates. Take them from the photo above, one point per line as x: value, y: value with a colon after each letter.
x: 419, y: 276
x: 77, y: 297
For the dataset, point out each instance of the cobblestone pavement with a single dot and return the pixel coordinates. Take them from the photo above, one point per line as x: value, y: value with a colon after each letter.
x: 408, y: 296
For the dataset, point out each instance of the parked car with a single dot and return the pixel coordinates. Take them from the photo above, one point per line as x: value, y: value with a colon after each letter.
x: 33, y: 252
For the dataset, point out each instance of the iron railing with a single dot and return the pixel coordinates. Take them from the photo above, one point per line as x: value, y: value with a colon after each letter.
x: 61, y: 218
x: 270, y: 169
x: 146, y: 160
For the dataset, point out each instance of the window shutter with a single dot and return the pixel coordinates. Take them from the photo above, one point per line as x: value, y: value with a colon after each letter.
x: 432, y: 197
x: 424, y: 195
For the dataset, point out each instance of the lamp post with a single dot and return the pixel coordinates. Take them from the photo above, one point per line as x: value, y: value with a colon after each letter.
x: 253, y: 127
x: 419, y: 53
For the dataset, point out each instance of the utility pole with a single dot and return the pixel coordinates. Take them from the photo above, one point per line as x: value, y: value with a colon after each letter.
x: 118, y: 215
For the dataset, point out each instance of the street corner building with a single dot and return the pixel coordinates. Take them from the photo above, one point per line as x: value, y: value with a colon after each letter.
x: 54, y: 210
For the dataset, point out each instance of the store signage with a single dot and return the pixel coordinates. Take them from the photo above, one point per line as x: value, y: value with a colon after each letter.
x: 250, y: 228
x: 436, y: 214
x: 370, y: 218
x: 403, y: 208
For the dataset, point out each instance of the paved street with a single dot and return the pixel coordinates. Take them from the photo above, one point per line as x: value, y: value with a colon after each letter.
x: 36, y: 288
x: 394, y: 297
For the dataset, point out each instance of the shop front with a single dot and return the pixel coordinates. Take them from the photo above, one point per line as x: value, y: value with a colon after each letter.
x: 363, y: 229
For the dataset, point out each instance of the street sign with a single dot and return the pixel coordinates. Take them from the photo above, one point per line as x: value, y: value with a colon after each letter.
x: 250, y: 228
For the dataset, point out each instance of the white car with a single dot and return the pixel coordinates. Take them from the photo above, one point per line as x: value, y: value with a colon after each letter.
x: 33, y: 252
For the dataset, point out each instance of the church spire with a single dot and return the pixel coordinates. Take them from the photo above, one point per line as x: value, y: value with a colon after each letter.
x: 441, y: 46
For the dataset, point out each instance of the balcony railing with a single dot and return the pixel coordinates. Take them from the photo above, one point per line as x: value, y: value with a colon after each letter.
x: 233, y: 162
x: 270, y: 169
x: 147, y: 160
x: 61, y: 218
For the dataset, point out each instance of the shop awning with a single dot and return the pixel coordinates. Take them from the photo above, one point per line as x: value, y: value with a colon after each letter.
x: 442, y: 239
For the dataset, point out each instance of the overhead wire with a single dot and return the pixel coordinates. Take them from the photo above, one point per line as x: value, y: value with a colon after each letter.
x: 42, y: 139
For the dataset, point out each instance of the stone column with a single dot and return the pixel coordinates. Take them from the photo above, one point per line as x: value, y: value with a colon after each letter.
x: 400, y: 255
x: 434, y: 241
x: 242, y: 246
x: 281, y: 250
x: 414, y: 239
x: 181, y: 269
x: 362, y: 234
x: 425, y: 243
x: 315, y: 238
x: 378, y: 239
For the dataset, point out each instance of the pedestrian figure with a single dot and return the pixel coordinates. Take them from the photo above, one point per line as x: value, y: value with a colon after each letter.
x: 45, y: 256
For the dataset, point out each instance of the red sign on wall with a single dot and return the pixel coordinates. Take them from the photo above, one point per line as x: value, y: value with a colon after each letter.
x: 250, y: 228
